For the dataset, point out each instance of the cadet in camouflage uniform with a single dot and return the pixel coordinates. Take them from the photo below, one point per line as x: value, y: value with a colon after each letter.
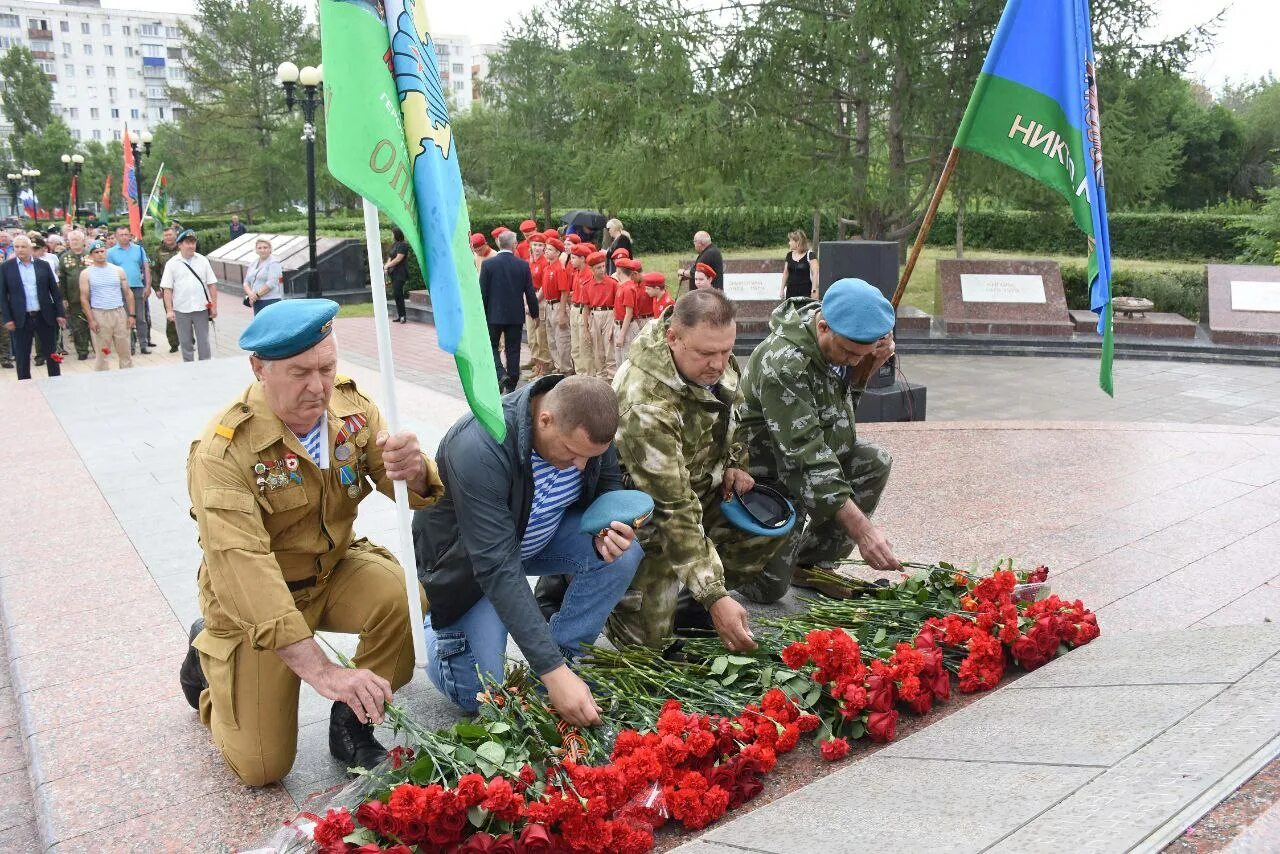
x: 167, y: 249
x: 678, y: 441
x: 70, y: 264
x: 798, y: 419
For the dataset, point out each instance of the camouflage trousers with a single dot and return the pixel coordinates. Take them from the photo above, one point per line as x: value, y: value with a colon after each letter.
x: 646, y: 614
x: 822, y: 544
x: 78, y: 330
x: 6, y: 346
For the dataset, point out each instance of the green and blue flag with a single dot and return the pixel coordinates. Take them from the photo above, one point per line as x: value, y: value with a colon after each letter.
x: 389, y: 138
x: 1035, y: 108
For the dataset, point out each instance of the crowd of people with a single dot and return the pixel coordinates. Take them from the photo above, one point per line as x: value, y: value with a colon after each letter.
x: 98, y: 293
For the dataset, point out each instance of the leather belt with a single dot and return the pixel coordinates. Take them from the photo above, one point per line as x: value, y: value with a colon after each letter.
x: 552, y: 301
x: 602, y: 308
x: 300, y: 584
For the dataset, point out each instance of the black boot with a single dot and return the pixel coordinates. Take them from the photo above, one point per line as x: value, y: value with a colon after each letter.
x: 351, y: 742
x: 191, y: 676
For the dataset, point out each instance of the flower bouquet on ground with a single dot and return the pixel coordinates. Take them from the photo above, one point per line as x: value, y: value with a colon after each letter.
x: 685, y: 741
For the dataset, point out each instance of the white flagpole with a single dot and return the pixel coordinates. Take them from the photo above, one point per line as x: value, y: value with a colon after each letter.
x: 146, y: 209
x: 391, y: 413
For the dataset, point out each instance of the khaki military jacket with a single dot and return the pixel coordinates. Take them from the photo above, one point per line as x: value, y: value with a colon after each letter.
x: 268, y: 515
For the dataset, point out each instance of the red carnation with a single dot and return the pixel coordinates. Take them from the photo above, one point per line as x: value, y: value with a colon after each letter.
x: 808, y: 723
x: 470, y: 790
x: 795, y: 656
x: 882, y: 725
x: 834, y: 748
x: 335, y: 825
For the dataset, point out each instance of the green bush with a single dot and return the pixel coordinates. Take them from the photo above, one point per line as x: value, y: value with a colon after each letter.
x: 1178, y: 291
x: 1157, y: 236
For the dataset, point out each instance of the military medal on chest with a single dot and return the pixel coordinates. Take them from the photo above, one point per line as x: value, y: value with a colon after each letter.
x: 274, y: 474
x: 353, y: 434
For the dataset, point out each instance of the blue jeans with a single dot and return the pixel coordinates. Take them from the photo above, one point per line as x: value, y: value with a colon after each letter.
x: 259, y: 305
x: 478, y: 640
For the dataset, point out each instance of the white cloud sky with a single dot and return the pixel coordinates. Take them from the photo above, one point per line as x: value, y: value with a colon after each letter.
x: 1245, y: 49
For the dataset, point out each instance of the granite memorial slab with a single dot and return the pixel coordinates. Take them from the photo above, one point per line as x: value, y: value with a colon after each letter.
x: 1243, y: 304
x: 1152, y: 324
x: 993, y: 297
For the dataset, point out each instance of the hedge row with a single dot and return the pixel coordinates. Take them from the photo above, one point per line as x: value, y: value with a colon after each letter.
x: 1156, y: 236
x: 1178, y: 291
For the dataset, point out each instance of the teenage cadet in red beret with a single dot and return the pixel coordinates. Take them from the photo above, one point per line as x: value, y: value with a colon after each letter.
x: 655, y: 285
x: 601, y: 294
x: 579, y: 336
x: 528, y: 230
x: 703, y: 276
x: 549, y: 234
x: 555, y: 291
x: 626, y: 306
x: 494, y: 234
x: 481, y: 249
x: 572, y: 239
x: 539, y: 344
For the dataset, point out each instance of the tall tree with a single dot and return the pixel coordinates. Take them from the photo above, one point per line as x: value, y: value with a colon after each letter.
x: 235, y: 141
x: 25, y: 91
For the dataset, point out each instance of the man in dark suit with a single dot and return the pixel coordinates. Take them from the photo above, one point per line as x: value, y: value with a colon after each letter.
x: 31, y: 307
x: 709, y: 254
x: 506, y: 282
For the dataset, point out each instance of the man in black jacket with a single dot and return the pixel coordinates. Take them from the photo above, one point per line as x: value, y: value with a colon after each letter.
x: 709, y: 254
x: 513, y: 509
x: 505, y: 283
x: 31, y: 307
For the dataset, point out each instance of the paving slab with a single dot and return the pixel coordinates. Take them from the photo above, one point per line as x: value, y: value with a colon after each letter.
x: 899, y: 805
x: 1205, y: 656
x: 1086, y: 753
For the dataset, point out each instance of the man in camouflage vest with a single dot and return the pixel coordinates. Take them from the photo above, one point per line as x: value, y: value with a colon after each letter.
x: 801, y: 389
x: 167, y: 249
x: 70, y: 264
x: 678, y: 441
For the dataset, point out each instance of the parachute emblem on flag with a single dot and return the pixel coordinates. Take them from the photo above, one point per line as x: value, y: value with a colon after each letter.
x: 1093, y: 119
x: 417, y: 80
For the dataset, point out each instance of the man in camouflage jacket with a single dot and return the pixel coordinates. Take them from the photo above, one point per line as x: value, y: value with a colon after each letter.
x: 798, y: 420
x: 677, y: 440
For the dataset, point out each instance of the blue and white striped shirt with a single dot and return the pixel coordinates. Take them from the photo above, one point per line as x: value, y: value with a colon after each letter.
x: 316, y: 443
x: 553, y: 490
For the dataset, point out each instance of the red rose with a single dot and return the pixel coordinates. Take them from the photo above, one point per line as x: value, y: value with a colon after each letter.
x: 1028, y: 653
x: 882, y: 725
x: 724, y: 776
x: 535, y: 839
x: 747, y: 789
x: 879, y: 692
x: 922, y: 703
x: 834, y: 748
x: 505, y: 844
x: 479, y: 843
x: 940, y: 684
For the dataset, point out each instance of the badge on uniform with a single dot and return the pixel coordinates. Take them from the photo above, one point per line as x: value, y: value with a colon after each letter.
x: 353, y: 434
x: 273, y: 474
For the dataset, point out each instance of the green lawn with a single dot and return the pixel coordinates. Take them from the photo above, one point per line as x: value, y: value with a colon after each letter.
x: 922, y: 290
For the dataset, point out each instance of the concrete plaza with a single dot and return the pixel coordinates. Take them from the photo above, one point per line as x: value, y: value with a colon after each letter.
x: 1168, y: 530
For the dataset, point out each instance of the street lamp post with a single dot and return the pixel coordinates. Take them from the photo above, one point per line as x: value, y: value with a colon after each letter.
x: 312, y: 80
x: 71, y: 165
x: 145, y: 138
x: 15, y: 187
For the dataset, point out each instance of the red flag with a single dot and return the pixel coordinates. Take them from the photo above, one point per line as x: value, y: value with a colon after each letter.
x: 129, y: 186
x: 71, y: 209
x: 106, y: 197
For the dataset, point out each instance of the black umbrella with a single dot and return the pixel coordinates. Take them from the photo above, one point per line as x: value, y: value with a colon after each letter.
x: 585, y: 219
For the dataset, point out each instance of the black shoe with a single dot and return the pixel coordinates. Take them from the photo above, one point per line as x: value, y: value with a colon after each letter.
x: 173, y: 348
x: 191, y: 676
x: 549, y: 593
x: 146, y: 351
x: 39, y: 361
x: 150, y: 345
x: 7, y: 364
x: 82, y: 356
x: 691, y: 619
x: 351, y: 742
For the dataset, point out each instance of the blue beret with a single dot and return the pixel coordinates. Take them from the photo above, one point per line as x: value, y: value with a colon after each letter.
x: 856, y: 310
x: 185, y: 233
x: 762, y: 512
x: 628, y: 506
x: 289, y: 327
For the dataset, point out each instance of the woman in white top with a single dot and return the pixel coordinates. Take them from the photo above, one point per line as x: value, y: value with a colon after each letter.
x: 264, y: 280
x: 190, y: 296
